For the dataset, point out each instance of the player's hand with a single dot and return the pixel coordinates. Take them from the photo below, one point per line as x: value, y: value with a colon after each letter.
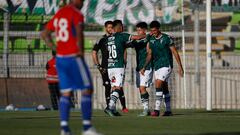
x: 142, y: 71
x: 180, y: 71
x: 101, y: 69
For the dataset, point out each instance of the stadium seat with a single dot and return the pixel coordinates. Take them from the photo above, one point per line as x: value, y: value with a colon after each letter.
x: 18, y: 18
x: 21, y: 45
x: 237, y: 46
x: 235, y: 19
x: 34, y: 18
x: 88, y: 44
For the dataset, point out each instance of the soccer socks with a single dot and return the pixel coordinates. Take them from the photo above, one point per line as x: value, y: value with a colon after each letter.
x: 64, y: 108
x: 145, y: 100
x: 159, y: 97
x: 114, y: 97
x: 167, y: 100
x: 86, y: 106
x: 122, y: 98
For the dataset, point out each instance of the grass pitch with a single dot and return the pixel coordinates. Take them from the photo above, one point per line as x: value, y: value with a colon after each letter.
x: 184, y: 122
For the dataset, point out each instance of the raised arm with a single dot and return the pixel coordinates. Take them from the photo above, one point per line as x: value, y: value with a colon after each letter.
x: 137, y: 37
x: 148, y: 59
x: 177, y: 57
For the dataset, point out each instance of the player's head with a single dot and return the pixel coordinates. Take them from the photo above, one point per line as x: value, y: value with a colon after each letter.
x: 53, y: 53
x: 141, y: 28
x: 117, y: 26
x: 109, y: 27
x: 155, y: 28
x: 78, y: 3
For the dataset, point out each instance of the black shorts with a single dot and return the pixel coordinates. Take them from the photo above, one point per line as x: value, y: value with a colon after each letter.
x: 105, y: 78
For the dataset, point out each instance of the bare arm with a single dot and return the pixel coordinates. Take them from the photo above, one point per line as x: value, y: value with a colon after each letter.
x: 137, y: 37
x: 148, y: 59
x: 177, y: 57
x: 80, y: 39
x: 47, y: 37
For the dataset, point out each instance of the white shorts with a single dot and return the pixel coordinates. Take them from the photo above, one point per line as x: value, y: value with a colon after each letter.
x: 163, y: 73
x: 116, y: 76
x: 144, y: 80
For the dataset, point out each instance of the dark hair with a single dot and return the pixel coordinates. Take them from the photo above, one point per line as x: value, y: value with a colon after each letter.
x: 53, y: 53
x: 107, y: 23
x: 117, y: 22
x: 155, y: 24
x: 142, y: 25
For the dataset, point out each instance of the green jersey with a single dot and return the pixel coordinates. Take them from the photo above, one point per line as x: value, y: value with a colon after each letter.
x: 161, y: 53
x: 116, y: 46
x: 141, y: 52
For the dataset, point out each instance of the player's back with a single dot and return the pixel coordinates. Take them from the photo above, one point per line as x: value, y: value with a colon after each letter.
x: 64, y: 24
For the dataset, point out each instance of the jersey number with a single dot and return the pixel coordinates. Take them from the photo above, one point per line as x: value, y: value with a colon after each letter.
x: 62, y: 33
x: 112, y: 51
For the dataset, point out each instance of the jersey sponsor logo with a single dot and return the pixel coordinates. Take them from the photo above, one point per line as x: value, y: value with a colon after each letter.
x: 113, y: 79
x: 152, y: 41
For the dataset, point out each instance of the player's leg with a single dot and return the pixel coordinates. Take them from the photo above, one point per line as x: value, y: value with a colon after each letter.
x: 159, y: 97
x: 167, y: 100
x: 161, y: 75
x: 54, y: 96
x: 65, y: 88
x: 116, y: 78
x: 82, y: 80
x: 122, y: 97
x: 144, y: 81
x: 123, y: 100
x: 107, y: 85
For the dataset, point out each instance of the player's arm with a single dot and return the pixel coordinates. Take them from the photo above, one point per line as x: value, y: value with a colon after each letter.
x: 148, y: 59
x: 95, y: 57
x: 47, y: 37
x: 80, y: 38
x: 137, y: 37
x: 177, y: 57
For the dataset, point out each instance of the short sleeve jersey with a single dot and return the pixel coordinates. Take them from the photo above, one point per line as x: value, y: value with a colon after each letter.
x: 103, y: 46
x: 161, y: 52
x: 64, y: 24
x: 141, y: 51
x: 116, y: 45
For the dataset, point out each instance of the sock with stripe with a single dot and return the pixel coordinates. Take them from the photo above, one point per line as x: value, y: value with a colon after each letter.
x: 145, y: 100
x: 86, y: 106
x: 113, y: 100
x: 159, y: 97
x: 64, y: 108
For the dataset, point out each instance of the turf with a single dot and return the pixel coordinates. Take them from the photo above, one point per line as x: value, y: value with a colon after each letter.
x: 184, y: 122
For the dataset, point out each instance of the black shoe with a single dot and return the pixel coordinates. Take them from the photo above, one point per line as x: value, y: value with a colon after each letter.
x: 167, y: 113
x: 116, y: 113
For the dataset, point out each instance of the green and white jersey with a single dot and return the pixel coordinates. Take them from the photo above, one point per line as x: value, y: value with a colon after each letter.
x: 161, y: 53
x: 116, y: 45
x: 141, y: 51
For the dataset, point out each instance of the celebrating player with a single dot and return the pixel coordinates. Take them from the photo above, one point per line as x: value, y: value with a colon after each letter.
x: 160, y: 48
x: 102, y: 45
x: 73, y: 72
x: 142, y: 81
x: 116, y: 46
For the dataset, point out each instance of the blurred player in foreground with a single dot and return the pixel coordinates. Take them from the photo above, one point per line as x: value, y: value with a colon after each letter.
x: 73, y: 72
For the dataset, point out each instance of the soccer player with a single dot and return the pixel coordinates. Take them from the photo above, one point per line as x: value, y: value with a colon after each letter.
x: 102, y: 45
x: 142, y: 81
x: 72, y: 70
x: 160, y: 48
x: 116, y: 47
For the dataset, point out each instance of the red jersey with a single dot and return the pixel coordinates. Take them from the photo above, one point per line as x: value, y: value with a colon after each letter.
x: 64, y: 24
x: 51, y: 76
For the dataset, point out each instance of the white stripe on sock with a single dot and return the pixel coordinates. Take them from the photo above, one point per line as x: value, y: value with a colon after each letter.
x: 86, y: 122
x: 64, y: 123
